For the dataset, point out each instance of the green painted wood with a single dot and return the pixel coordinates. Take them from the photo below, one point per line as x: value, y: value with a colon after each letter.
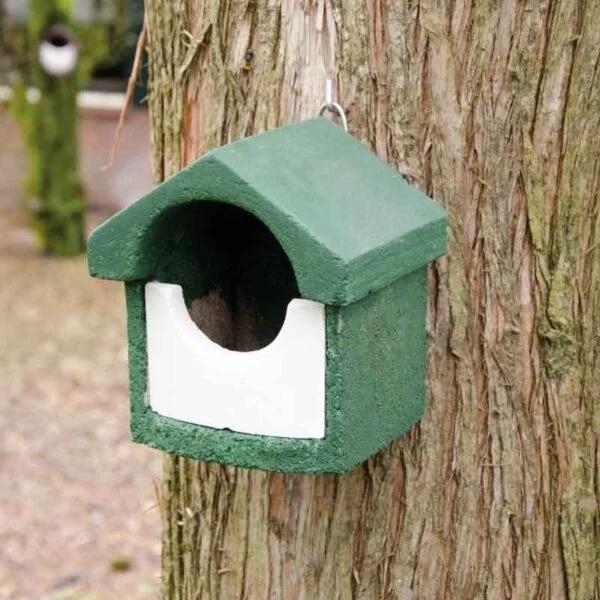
x: 375, y: 388
x: 303, y: 210
x: 348, y: 222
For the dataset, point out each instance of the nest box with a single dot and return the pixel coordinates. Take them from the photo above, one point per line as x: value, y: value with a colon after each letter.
x: 276, y: 297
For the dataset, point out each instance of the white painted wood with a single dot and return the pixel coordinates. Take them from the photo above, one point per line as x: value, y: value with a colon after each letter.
x: 278, y: 390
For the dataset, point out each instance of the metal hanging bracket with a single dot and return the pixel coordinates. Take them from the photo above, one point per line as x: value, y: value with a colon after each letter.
x: 331, y: 106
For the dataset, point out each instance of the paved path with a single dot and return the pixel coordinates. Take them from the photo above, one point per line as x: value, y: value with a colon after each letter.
x: 75, y: 493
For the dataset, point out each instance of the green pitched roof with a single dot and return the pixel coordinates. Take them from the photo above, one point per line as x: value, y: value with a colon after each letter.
x: 348, y: 222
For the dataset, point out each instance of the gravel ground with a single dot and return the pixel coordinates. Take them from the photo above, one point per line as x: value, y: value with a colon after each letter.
x: 78, y: 515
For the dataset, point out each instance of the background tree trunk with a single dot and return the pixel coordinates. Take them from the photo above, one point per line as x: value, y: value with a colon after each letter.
x: 493, y: 108
x: 56, y: 200
x: 50, y: 122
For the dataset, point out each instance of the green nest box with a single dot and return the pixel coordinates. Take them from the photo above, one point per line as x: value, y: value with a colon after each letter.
x: 276, y: 298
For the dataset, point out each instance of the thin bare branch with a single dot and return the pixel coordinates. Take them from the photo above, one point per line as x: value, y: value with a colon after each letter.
x: 135, y: 71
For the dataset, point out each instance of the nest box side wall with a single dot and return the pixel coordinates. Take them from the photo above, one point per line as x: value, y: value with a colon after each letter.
x: 376, y: 357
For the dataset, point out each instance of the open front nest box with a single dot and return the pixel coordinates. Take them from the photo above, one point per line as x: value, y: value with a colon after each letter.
x: 276, y: 297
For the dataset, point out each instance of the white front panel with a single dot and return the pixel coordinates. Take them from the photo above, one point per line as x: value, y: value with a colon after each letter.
x: 278, y: 390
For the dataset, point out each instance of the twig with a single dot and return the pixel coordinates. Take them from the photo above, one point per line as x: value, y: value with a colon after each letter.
x: 158, y: 495
x: 135, y: 71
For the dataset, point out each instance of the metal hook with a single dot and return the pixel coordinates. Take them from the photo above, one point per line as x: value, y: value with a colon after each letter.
x: 328, y: 93
x: 331, y: 106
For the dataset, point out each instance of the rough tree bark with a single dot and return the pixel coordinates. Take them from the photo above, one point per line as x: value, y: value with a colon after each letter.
x: 493, y: 108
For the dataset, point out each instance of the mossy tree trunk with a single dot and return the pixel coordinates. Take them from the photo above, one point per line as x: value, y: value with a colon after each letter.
x: 50, y: 126
x: 493, y: 108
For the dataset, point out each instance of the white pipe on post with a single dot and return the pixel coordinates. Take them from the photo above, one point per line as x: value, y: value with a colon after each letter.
x: 58, y: 52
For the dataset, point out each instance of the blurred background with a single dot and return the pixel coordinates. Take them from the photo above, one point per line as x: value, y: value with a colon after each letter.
x: 78, y: 502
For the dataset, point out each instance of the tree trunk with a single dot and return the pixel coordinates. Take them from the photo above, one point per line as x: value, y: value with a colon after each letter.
x: 492, y: 108
x: 50, y: 123
x: 50, y: 129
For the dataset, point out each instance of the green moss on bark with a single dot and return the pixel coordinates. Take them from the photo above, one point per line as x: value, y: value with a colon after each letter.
x: 50, y: 128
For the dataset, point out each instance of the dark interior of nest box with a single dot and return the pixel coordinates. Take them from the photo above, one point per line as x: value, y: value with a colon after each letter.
x: 237, y: 280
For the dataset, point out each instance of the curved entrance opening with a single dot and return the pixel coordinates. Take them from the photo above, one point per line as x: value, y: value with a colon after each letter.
x: 237, y: 281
